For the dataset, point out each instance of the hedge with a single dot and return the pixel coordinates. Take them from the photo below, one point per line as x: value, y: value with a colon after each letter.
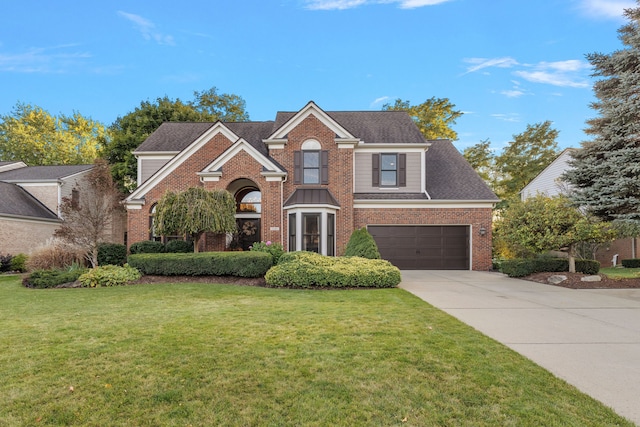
x: 178, y: 246
x: 241, y: 264
x: 362, y: 244
x: 631, y: 263
x: 112, y: 254
x: 525, y: 267
x: 43, y: 279
x: 146, y: 247
x: 109, y: 275
x: 311, y: 270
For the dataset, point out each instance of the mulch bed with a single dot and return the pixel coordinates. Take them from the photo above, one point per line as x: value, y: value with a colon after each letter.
x: 574, y: 281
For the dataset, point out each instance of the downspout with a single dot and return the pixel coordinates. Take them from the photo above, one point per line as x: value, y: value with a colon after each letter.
x: 282, y: 209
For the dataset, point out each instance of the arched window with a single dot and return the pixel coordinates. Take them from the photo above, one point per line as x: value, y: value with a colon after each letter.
x: 311, y: 164
x: 249, y: 200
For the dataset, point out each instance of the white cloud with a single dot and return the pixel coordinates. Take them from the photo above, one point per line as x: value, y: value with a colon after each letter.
x: 606, y: 8
x: 513, y: 93
x: 351, y: 4
x: 509, y: 117
x: 147, y: 29
x: 379, y: 101
x: 55, y: 59
x: 561, y: 73
x: 481, y: 63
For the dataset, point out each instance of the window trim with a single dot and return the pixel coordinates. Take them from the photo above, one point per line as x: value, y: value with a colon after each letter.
x: 326, y: 245
x: 376, y: 170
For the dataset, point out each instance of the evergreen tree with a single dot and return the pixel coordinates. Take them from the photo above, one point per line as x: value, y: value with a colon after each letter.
x: 605, y: 172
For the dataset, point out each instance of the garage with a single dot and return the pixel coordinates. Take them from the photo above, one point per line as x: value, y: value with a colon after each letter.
x: 423, y: 247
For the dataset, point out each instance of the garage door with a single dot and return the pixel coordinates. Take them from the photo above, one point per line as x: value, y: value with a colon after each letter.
x: 426, y: 247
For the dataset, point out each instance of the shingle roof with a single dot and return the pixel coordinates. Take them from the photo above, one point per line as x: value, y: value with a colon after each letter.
x: 311, y: 196
x: 450, y: 177
x: 17, y: 201
x: 42, y: 173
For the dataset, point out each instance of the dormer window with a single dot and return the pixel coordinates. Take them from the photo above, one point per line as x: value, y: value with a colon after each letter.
x: 389, y: 170
x: 311, y: 164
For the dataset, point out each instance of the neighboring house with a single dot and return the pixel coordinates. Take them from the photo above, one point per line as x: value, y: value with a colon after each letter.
x: 30, y: 199
x: 549, y: 182
x: 311, y: 177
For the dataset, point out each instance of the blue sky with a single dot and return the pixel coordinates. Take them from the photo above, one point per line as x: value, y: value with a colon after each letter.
x: 504, y: 63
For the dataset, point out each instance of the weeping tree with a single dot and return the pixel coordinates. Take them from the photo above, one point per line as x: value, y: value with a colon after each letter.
x: 194, y: 212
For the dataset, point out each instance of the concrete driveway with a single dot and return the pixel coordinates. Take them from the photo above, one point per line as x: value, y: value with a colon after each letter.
x: 589, y: 338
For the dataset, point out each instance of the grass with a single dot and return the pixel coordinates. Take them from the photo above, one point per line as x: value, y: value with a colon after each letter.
x: 197, y: 354
x: 620, y: 272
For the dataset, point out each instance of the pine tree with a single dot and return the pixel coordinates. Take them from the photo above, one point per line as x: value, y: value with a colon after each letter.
x: 605, y: 172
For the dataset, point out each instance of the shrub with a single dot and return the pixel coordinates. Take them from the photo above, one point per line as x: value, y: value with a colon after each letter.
x: 112, y: 254
x: 42, y: 279
x: 362, y: 244
x: 527, y: 266
x: 274, y: 249
x: 56, y: 255
x: 19, y: 263
x: 178, y: 246
x: 5, y: 262
x: 109, y: 275
x: 241, y: 264
x: 311, y: 270
x: 631, y: 263
x: 146, y: 247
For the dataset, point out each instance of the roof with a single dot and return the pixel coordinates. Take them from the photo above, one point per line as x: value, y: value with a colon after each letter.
x: 311, y: 196
x: 451, y: 177
x: 42, y: 173
x: 16, y: 201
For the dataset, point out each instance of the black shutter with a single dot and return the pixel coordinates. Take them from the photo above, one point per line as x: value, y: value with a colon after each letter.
x: 375, y: 170
x: 324, y: 167
x: 402, y: 170
x: 297, y: 167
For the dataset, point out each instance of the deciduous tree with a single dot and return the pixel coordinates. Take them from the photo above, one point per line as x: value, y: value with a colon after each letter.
x: 194, y: 212
x: 483, y: 160
x: 434, y: 117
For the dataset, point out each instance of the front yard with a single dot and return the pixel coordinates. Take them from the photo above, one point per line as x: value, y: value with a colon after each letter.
x: 203, y: 354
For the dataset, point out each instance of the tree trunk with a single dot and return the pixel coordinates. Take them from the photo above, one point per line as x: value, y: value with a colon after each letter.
x: 572, y: 258
x: 196, y: 242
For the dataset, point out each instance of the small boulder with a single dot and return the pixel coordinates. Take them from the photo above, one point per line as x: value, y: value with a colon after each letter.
x: 594, y: 278
x: 556, y: 278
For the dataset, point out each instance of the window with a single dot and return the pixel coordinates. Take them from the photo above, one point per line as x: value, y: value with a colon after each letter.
x: 389, y: 170
x: 75, y: 198
x: 331, y: 234
x: 311, y: 164
x: 311, y: 167
x: 292, y: 232
x: 152, y: 226
x: 311, y: 232
x: 249, y: 200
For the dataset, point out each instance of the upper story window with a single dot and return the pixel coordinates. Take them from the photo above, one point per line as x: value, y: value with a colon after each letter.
x: 389, y: 170
x: 311, y: 164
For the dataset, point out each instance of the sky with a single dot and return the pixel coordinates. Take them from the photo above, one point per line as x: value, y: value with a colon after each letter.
x: 505, y: 64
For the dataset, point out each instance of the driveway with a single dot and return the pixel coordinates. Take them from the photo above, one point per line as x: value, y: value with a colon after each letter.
x: 589, y: 338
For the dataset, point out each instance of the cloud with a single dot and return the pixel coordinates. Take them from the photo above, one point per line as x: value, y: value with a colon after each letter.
x: 606, y: 8
x: 352, y: 4
x: 147, y: 29
x: 44, y: 60
x: 379, y: 101
x: 561, y: 73
x: 481, y: 63
x: 510, y: 117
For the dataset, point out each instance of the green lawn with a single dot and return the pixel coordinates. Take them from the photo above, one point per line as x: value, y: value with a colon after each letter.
x: 205, y: 355
x: 620, y: 273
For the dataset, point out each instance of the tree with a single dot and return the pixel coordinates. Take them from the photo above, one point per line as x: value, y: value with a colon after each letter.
x: 32, y: 135
x: 605, y: 170
x: 524, y: 158
x: 434, y: 117
x: 483, y: 160
x: 87, y: 215
x: 541, y: 224
x: 194, y: 212
x: 129, y: 131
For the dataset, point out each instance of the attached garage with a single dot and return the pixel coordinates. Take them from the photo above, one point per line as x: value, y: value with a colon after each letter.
x: 424, y: 247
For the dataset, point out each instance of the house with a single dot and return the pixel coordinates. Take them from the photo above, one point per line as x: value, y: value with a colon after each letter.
x: 30, y: 199
x: 549, y: 182
x: 310, y: 177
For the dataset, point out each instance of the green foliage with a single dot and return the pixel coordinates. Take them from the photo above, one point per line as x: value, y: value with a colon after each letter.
x: 112, y: 254
x: 19, y: 263
x: 196, y: 211
x: 109, y: 275
x: 147, y: 247
x: 42, y: 279
x: 178, y: 246
x: 631, y: 263
x: 434, y: 117
x: 5, y: 262
x: 274, y: 249
x: 30, y: 134
x: 482, y: 160
x: 524, y: 267
x: 362, y: 244
x: 312, y: 270
x: 240, y: 264
x: 129, y: 131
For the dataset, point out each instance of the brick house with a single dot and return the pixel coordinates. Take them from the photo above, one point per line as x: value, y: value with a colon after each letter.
x: 311, y: 177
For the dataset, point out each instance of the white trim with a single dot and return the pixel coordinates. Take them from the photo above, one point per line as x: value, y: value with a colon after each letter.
x: 393, y: 148
x: 307, y: 110
x: 231, y: 152
x: 421, y: 204
x: 307, y: 206
x: 311, y: 144
x: 36, y: 184
x: 347, y: 142
x: 134, y: 204
x: 324, y: 212
x: 155, y: 154
x: 10, y: 217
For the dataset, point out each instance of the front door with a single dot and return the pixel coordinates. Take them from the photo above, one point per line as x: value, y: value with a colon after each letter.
x: 248, y: 232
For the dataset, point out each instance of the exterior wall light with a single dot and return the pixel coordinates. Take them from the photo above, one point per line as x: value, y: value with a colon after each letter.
x: 482, y: 231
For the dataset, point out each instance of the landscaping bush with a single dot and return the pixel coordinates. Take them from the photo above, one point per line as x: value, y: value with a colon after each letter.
x: 56, y: 255
x: 112, y: 254
x: 525, y: 267
x: 362, y: 244
x: 274, y: 249
x: 5, y: 262
x: 109, y: 275
x: 19, y: 263
x: 311, y: 270
x: 631, y: 263
x: 240, y: 264
x: 42, y: 279
x: 178, y: 246
x: 146, y: 247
